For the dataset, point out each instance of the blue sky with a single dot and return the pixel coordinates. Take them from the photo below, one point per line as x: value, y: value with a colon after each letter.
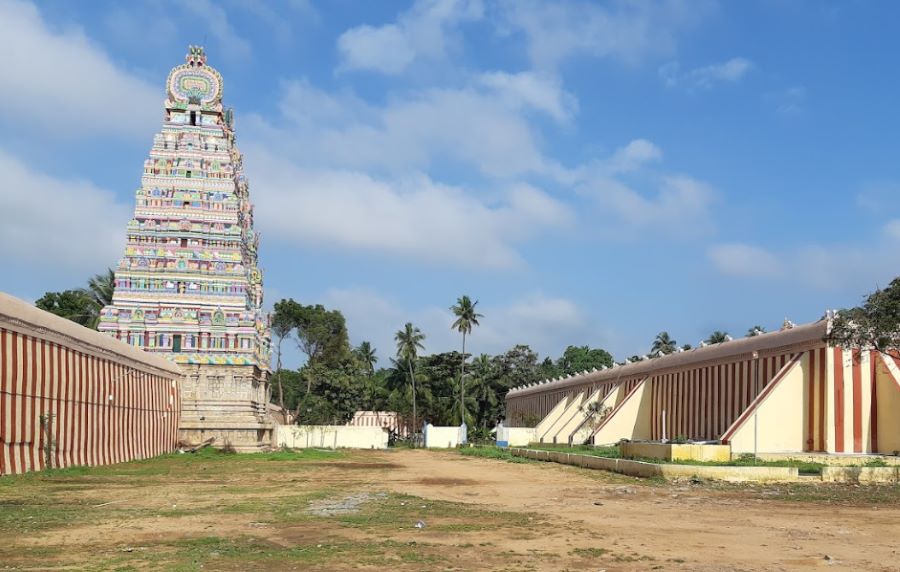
x: 592, y: 172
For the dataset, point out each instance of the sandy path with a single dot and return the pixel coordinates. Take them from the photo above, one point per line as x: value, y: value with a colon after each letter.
x: 704, y: 528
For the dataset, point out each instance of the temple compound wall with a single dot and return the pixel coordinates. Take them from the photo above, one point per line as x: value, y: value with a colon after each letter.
x: 785, y: 391
x: 188, y: 287
x: 71, y: 396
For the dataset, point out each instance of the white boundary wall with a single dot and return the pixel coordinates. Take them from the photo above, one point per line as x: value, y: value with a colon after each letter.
x: 330, y: 437
x: 442, y: 437
x: 515, y: 436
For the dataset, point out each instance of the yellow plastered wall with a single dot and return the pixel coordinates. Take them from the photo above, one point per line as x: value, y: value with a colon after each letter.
x: 577, y: 418
x: 630, y: 421
x: 888, y: 388
x: 567, y: 413
x: 582, y: 433
x: 778, y: 419
x: 551, y: 417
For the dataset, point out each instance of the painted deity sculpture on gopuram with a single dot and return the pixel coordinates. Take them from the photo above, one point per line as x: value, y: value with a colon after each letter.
x: 189, y: 287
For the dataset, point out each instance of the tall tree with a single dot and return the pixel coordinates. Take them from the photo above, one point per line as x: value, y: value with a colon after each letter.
x: 466, y: 319
x: 409, y: 342
x: 582, y: 358
x: 366, y: 355
x: 663, y: 344
x: 487, y: 389
x: 717, y: 337
x: 322, y: 334
x: 75, y: 305
x: 82, y: 305
x: 874, y: 325
x: 101, y: 288
x: 282, y: 326
x: 755, y: 331
x: 518, y: 366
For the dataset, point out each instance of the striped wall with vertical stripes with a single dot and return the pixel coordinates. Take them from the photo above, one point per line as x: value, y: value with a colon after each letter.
x: 700, y: 403
x: 854, y: 394
x: 70, y: 396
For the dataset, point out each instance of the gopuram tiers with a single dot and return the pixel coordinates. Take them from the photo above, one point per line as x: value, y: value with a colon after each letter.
x: 188, y: 286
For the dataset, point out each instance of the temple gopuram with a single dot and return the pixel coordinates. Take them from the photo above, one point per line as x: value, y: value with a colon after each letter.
x: 188, y: 286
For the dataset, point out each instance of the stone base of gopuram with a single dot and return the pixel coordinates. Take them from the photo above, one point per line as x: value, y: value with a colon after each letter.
x: 228, y: 403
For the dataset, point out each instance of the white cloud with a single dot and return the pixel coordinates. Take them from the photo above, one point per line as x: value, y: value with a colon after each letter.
x: 413, y: 131
x: 46, y: 222
x: 632, y: 200
x: 528, y: 89
x: 61, y: 82
x: 744, y: 261
x: 827, y: 267
x: 423, y: 32
x: 632, y: 157
x: 628, y: 31
x: 892, y: 229
x: 678, y: 203
x: 215, y: 18
x: 788, y: 102
x: 705, y: 77
x: 412, y: 216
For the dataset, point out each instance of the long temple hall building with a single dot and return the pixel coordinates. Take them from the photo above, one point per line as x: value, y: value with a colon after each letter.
x: 188, y: 287
x: 786, y: 391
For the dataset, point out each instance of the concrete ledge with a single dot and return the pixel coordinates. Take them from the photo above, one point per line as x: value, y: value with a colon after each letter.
x: 647, y: 470
x: 862, y: 475
x: 843, y: 459
x: 676, y: 452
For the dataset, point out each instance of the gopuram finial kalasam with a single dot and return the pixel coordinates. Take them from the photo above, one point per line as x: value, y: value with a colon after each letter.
x: 196, y: 56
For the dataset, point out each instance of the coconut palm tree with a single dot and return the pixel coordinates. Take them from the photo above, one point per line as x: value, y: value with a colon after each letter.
x: 663, y: 343
x: 409, y: 342
x: 755, y: 331
x: 366, y: 354
x: 102, y: 286
x: 100, y: 291
x: 464, y: 410
x: 717, y: 337
x: 485, y: 394
x: 466, y: 319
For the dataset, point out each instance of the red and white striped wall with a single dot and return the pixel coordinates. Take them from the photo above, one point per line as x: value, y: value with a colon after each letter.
x: 97, y: 409
x: 860, y: 380
x: 702, y: 402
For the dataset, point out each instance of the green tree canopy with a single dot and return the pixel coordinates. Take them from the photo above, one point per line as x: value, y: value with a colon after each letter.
x: 82, y: 305
x: 580, y: 358
x: 321, y: 334
x: 365, y: 352
x: 874, y: 325
x: 75, y: 305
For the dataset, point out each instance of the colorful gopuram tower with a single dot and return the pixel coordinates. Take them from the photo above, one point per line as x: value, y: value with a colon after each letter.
x: 189, y: 287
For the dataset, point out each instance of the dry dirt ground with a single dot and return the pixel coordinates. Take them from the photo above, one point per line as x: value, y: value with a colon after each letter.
x: 359, y: 511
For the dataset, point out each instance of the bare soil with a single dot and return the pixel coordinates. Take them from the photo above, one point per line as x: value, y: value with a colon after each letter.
x: 358, y: 511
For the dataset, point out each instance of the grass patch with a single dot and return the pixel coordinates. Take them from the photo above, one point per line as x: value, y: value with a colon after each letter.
x: 803, y: 467
x: 246, y: 552
x: 832, y: 494
x: 393, y: 511
x: 590, y: 552
x: 499, y: 453
x: 611, y: 452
